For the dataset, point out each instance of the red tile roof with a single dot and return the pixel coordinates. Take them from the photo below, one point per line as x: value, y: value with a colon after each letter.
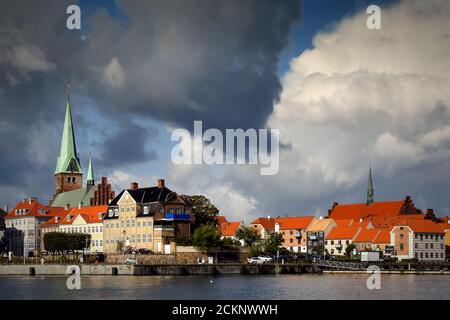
x: 33, y: 209
x: 383, y: 236
x: 228, y: 229
x: 340, y: 233
x: 267, y: 223
x: 220, y: 219
x: 89, y: 214
x: 366, y: 235
x: 287, y: 223
x: 424, y: 226
x: 362, y: 210
x: 343, y: 222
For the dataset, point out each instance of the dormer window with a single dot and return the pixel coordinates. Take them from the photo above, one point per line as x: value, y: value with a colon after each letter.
x: 100, y: 216
x: 145, y: 210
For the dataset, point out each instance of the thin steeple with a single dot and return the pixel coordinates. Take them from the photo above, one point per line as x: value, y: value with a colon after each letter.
x: 90, y: 174
x: 68, y: 159
x: 370, y: 190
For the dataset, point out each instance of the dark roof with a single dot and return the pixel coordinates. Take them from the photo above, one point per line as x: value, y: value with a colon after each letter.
x: 147, y: 195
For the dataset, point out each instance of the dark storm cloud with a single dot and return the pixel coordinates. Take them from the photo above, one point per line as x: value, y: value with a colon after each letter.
x: 173, y: 61
x: 127, y: 146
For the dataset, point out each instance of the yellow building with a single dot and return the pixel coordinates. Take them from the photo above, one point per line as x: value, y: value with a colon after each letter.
x: 146, y: 218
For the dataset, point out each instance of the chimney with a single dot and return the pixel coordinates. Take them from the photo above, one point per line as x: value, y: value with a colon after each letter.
x: 321, y: 218
x: 56, y: 219
x: 6, y: 208
x: 134, y: 185
x: 25, y: 200
x: 268, y: 217
x: 80, y: 204
x: 361, y: 220
x: 160, y: 183
x: 67, y: 206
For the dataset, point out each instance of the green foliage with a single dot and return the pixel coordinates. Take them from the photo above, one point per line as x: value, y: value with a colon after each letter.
x: 229, y: 243
x: 61, y: 242
x: 272, y: 243
x: 206, y: 237
x: 349, y: 249
x: 248, y: 235
x: 202, y: 208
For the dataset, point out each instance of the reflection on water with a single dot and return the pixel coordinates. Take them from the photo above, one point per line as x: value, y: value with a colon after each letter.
x: 326, y: 286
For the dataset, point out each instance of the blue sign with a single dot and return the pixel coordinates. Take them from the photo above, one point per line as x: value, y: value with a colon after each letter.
x: 178, y: 216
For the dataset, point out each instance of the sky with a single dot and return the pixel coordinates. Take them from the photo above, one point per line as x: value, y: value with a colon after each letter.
x: 342, y: 96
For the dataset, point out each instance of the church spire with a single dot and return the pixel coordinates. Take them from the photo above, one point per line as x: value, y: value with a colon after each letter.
x: 90, y: 174
x: 370, y: 190
x: 68, y: 159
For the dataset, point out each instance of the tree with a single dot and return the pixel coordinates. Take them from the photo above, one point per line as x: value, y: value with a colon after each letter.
x: 202, y: 209
x: 248, y: 235
x: 206, y: 237
x: 272, y: 243
x: 349, y: 249
x: 60, y: 242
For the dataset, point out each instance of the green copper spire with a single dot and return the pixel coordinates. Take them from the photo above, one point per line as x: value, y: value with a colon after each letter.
x: 90, y: 175
x: 370, y: 191
x: 68, y: 160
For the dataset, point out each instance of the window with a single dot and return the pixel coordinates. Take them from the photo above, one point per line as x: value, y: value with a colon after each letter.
x: 68, y: 179
x: 291, y: 232
x: 401, y: 235
x: 133, y: 223
x: 117, y: 225
x: 100, y: 229
x: 426, y: 245
x: 128, y: 223
x: 122, y: 209
x: 332, y: 242
x: 401, y: 246
x: 416, y: 255
x: 431, y: 246
x: 128, y: 209
x: 426, y: 254
x: 100, y: 242
x: 144, y: 238
x: 347, y: 242
x: 161, y: 210
x: 144, y: 224
x: 138, y: 238
x: 442, y: 246
x: 132, y: 238
x: 138, y: 224
x: 121, y: 224
x: 431, y: 254
x: 416, y: 246
x: 291, y: 240
x: 421, y: 254
x: 401, y: 228
x: 188, y: 211
x: 426, y: 236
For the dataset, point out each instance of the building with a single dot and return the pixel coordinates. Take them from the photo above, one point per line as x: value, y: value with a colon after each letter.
x: 339, y: 238
x: 423, y: 240
x: 2, y: 223
x: 263, y: 226
x: 228, y: 229
x: 293, y: 231
x: 23, y: 226
x: 69, y: 189
x: 87, y: 220
x: 149, y: 218
x: 382, y: 242
x: 365, y: 239
x: 316, y: 232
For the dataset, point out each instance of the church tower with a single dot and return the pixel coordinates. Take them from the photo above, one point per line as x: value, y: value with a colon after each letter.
x: 68, y: 173
x: 370, y: 190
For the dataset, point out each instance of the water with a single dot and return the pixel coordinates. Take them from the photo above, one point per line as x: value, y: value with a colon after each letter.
x: 241, y: 287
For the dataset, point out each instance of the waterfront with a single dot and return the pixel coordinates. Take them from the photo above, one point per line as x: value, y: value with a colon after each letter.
x: 325, y: 286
